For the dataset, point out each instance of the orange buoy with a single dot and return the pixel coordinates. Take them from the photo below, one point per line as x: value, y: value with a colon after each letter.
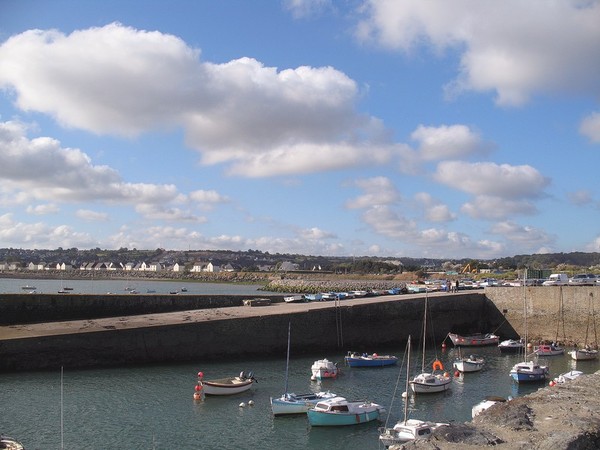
x: 457, y: 373
x: 437, y: 365
x: 197, y: 396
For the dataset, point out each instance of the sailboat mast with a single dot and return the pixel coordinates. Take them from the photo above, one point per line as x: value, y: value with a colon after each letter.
x: 424, y: 334
x: 287, y: 361
x: 407, y: 381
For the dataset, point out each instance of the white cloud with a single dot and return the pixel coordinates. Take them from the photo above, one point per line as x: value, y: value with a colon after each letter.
x: 594, y: 246
x: 44, y: 170
x: 490, y: 207
x: 590, y: 127
x: 503, y: 49
x: 378, y: 191
x: 315, y: 233
x: 435, y: 211
x: 307, y: 8
x: 580, y: 198
x: 447, y: 142
x: 162, y: 212
x: 498, y: 180
x: 526, y: 237
x: 262, y: 121
x: 41, y: 210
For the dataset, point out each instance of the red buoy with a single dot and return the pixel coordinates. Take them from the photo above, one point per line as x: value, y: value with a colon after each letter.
x: 457, y: 373
x: 200, y: 375
x: 443, y: 345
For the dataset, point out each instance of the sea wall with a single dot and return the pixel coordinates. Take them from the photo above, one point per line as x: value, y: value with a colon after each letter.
x: 346, y: 326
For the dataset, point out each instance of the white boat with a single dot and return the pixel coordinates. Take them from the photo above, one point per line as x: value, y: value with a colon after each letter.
x: 294, y: 298
x: 338, y: 411
x: 313, y: 297
x: 471, y: 363
x: 323, y: 368
x: 226, y: 386
x: 290, y: 403
x: 358, y: 294
x: 587, y: 353
x: 567, y: 376
x: 486, y: 403
x: 475, y: 340
x: 10, y: 443
x: 407, y: 429
x: 28, y: 288
x: 584, y: 354
x: 511, y: 346
x: 434, y: 381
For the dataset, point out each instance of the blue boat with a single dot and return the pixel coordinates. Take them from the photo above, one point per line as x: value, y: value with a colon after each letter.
x: 529, y: 371
x: 357, y: 360
x: 313, y: 297
x: 340, y: 412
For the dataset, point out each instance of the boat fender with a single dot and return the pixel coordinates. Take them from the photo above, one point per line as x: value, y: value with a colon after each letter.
x: 437, y: 365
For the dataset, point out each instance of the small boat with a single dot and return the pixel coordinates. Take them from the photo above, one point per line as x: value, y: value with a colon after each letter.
x: 548, y: 350
x: 313, y: 297
x: 28, y: 288
x: 475, y: 340
x: 486, y: 403
x: 407, y: 429
x: 183, y: 289
x: 511, y: 346
x: 568, y: 376
x: 430, y: 382
x: 294, y: 298
x: 338, y: 411
x: 62, y: 291
x: 584, y: 354
x: 358, y: 294
x: 528, y: 371
x: 226, y: 386
x: 290, y: 403
x: 471, y: 363
x: 323, y: 368
x: 10, y: 443
x: 357, y: 360
x: 68, y: 288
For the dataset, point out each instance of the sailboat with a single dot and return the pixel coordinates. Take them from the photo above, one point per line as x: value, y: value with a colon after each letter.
x: 290, y: 403
x: 430, y: 382
x: 587, y: 353
x: 553, y: 349
x: 407, y: 429
x: 528, y: 371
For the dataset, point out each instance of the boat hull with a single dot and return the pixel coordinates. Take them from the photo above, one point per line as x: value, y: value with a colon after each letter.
x: 370, y: 361
x: 226, y: 386
x: 548, y: 350
x: 337, y: 419
x: 529, y: 372
x: 511, y: 346
x: 297, y: 404
x: 474, y: 341
x: 583, y: 355
x: 468, y: 365
x: 430, y: 383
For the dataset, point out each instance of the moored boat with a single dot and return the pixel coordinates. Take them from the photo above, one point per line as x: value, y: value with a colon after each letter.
x: 9, y: 443
x: 338, y: 411
x: 511, y: 346
x: 323, y: 368
x: 475, y: 340
x: 313, y: 297
x: 364, y: 360
x: 548, y: 350
x: 294, y: 298
x: 471, y: 363
x: 228, y: 385
x: 529, y: 371
x: 584, y: 354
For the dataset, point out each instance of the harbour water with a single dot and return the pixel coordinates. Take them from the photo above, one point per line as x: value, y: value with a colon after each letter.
x: 152, y: 407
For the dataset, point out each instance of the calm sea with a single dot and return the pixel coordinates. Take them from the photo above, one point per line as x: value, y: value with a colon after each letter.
x: 152, y: 407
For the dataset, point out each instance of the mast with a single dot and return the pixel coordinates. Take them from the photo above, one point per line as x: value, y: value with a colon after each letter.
x: 407, y: 381
x: 424, y: 333
x: 287, y: 361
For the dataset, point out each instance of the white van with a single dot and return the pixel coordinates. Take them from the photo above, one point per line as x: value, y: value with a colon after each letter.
x: 556, y: 279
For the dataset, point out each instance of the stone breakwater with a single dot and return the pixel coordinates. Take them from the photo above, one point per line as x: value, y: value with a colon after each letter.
x: 565, y: 416
x: 306, y: 286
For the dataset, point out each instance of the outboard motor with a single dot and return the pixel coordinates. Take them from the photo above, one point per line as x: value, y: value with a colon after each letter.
x: 242, y: 375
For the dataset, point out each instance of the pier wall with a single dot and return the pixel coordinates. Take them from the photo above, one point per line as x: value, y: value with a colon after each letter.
x: 349, y: 325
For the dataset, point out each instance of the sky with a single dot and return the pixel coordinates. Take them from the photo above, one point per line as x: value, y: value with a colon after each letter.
x: 414, y: 128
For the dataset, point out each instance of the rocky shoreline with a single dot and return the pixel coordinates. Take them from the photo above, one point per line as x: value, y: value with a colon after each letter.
x: 565, y: 416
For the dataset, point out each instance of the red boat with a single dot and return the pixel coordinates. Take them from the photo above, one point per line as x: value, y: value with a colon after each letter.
x: 475, y: 340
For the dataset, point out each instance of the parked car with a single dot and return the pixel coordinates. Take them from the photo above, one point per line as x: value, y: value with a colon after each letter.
x: 584, y: 279
x: 556, y: 279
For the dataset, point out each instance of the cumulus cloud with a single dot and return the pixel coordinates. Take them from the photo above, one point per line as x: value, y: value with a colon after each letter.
x: 590, y: 127
x: 377, y: 191
x: 263, y: 121
x: 435, y: 211
x: 448, y: 142
x: 525, y: 236
x: 490, y: 207
x: 503, y: 51
x: 498, y: 180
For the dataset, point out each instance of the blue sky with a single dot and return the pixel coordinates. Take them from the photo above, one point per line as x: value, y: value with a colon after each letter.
x: 463, y: 129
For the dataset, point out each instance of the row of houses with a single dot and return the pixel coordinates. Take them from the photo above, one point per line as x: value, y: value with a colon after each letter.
x: 110, y: 266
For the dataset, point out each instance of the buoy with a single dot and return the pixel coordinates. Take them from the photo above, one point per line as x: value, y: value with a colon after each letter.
x: 552, y: 383
x: 242, y: 405
x: 374, y: 355
x: 197, y: 396
x: 198, y: 387
x: 404, y: 394
x: 200, y: 375
x: 251, y: 403
x: 457, y: 373
x: 446, y: 374
x: 443, y: 345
